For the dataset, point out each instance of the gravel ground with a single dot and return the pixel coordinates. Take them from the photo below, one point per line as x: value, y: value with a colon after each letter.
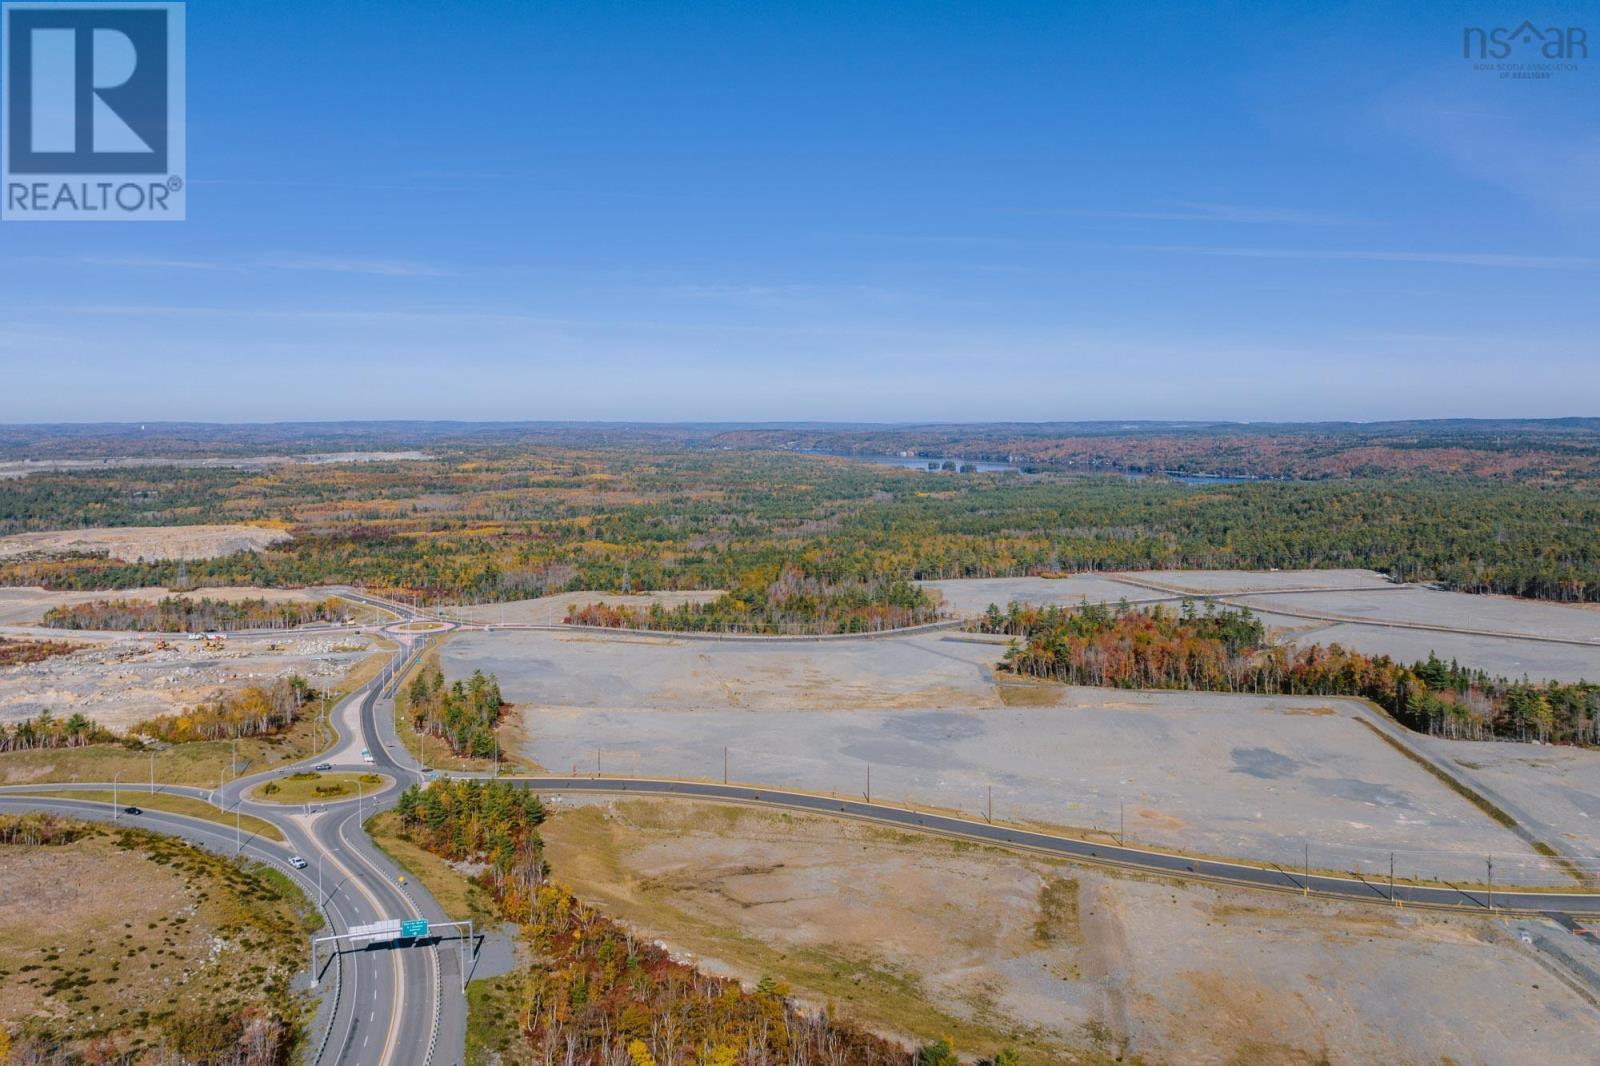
x: 1497, y: 655
x: 971, y: 596
x: 1241, y: 581
x: 1220, y: 774
x: 123, y: 682
x: 1170, y: 973
x: 1558, y: 787
x: 1494, y: 614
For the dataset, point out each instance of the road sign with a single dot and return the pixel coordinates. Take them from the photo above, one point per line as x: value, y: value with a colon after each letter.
x: 414, y: 928
x: 376, y: 931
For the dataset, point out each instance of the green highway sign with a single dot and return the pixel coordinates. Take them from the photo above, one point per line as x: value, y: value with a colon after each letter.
x: 414, y: 928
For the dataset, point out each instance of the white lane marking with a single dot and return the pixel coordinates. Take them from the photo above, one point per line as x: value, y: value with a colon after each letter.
x: 398, y: 957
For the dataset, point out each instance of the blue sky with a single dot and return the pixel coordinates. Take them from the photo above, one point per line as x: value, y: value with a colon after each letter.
x: 837, y: 211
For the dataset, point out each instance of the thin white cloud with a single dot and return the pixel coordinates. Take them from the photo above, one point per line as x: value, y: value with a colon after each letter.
x: 388, y: 268
x: 136, y: 262
x: 1475, y: 259
x: 1226, y: 213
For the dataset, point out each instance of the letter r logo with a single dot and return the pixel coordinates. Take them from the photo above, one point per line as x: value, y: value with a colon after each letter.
x: 87, y: 89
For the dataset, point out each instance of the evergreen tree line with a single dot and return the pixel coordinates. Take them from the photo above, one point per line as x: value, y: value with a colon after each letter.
x: 1227, y: 651
x: 793, y: 603
x: 45, y: 731
x: 463, y: 714
x: 181, y: 614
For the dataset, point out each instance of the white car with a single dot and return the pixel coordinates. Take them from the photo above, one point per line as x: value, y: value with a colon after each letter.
x: 297, y: 862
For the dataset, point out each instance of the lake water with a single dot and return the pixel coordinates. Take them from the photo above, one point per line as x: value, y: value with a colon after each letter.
x: 913, y: 463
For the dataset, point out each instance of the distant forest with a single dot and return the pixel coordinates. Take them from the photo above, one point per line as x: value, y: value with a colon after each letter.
x: 811, y: 543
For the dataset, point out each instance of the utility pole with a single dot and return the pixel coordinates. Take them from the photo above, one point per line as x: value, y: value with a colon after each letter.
x: 989, y: 816
x: 114, y: 805
x: 1489, y: 863
x: 1391, y: 877
x: 724, y: 766
x: 152, y: 772
x: 1308, y: 868
x: 238, y: 837
x: 1121, y: 823
x: 869, y: 782
x: 597, y: 762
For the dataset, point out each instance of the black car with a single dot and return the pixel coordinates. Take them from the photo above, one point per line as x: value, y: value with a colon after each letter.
x: 131, y: 810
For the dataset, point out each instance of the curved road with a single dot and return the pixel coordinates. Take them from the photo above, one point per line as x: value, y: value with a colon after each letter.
x: 1158, y: 862
x: 396, y: 1006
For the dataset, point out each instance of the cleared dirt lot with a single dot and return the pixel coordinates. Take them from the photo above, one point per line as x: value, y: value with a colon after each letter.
x: 1558, y: 788
x: 1210, y: 773
x: 971, y: 596
x: 924, y: 937
x: 133, y: 543
x: 120, y: 682
x: 585, y: 669
x: 550, y: 610
x: 1498, y: 655
x: 1223, y: 582
x: 1454, y: 610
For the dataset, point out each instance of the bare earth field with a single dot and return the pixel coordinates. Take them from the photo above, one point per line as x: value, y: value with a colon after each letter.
x: 134, y: 543
x: 1498, y: 655
x: 1236, y: 582
x: 966, y: 597
x: 1457, y: 610
x: 923, y: 937
x: 123, y: 681
x: 1555, y: 787
x: 1203, y: 772
x: 550, y: 610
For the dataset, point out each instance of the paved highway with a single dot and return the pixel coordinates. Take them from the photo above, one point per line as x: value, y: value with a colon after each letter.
x: 1272, y: 877
x: 395, y: 1006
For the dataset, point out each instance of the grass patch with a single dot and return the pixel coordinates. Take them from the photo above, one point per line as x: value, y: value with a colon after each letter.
x: 162, y: 801
x: 139, y: 940
x: 312, y: 787
x: 454, y: 891
x: 1058, y: 912
x: 492, y: 1031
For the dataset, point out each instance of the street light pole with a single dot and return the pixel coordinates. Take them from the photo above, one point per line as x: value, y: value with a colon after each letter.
x: 152, y: 772
x: 114, y: 804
